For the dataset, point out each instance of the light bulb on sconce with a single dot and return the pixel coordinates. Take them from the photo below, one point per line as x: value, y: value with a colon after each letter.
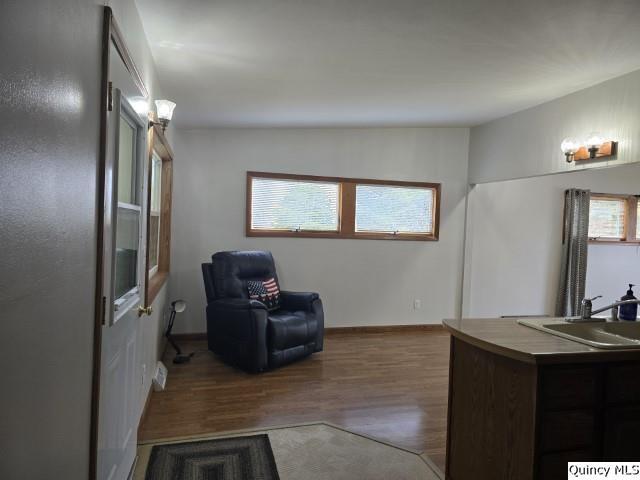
x: 593, y: 142
x: 164, y: 112
x: 569, y: 147
x: 594, y: 146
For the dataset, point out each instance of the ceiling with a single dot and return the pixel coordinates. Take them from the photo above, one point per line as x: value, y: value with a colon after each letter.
x: 381, y: 62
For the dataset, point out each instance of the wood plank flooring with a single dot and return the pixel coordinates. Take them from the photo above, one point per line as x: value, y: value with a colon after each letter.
x: 391, y: 386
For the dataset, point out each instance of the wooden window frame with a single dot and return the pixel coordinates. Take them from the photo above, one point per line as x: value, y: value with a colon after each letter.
x: 346, y: 209
x: 630, y: 220
x: 158, y: 142
x: 151, y: 271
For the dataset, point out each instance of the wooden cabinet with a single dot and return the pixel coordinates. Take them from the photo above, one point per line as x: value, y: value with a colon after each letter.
x: 621, y: 429
x: 623, y: 383
x: 510, y: 419
x: 491, y: 411
x: 553, y: 466
x: 569, y: 386
x: 566, y: 430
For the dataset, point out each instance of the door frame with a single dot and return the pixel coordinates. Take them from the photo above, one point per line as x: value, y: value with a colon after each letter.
x: 111, y: 34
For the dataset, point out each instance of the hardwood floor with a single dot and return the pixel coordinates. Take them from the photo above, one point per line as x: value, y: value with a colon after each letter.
x: 391, y: 385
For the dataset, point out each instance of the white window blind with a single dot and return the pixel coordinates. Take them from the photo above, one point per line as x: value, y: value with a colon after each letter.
x: 278, y: 204
x: 607, y: 218
x: 394, y: 209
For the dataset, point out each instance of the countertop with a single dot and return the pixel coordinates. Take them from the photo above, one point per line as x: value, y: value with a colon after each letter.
x: 504, y: 336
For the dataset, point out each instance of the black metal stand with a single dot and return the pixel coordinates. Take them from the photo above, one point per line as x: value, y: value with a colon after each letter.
x: 180, y: 357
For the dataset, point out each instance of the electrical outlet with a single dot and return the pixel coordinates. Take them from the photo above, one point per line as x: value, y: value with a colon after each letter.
x: 417, y: 304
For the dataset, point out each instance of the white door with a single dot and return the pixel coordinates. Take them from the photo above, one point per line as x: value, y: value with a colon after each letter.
x: 124, y: 286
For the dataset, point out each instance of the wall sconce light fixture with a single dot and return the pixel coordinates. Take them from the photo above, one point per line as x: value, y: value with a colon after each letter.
x: 164, y: 112
x: 594, y: 147
x: 569, y: 147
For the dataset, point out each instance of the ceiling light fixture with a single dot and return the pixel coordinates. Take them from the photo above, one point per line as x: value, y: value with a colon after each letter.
x: 594, y: 146
x: 164, y: 112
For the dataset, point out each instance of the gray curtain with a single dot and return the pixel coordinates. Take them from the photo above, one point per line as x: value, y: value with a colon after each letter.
x: 575, y: 241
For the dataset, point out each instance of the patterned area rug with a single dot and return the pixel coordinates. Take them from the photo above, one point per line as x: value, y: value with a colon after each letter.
x: 317, y: 451
x: 239, y: 458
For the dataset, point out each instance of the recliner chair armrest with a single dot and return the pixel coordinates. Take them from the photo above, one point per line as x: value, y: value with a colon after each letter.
x: 237, y: 304
x: 298, y: 300
x: 310, y: 303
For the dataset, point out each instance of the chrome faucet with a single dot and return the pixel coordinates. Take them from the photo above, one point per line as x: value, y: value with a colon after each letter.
x: 586, y: 310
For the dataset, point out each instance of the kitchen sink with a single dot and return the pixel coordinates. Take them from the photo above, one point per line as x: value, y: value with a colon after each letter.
x: 598, y: 333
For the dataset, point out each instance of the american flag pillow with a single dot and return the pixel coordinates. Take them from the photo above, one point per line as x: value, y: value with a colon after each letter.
x: 265, y: 291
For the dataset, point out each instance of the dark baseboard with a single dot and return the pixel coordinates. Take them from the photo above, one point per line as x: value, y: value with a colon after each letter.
x: 189, y: 337
x: 193, y: 337
x: 385, y: 329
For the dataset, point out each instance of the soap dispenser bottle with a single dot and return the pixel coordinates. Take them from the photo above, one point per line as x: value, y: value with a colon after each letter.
x: 629, y: 312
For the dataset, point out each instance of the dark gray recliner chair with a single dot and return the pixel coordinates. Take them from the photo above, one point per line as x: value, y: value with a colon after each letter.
x: 244, y: 331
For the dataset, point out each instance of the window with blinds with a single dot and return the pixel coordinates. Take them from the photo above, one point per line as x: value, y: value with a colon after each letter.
x: 294, y: 205
x: 614, y: 218
x: 285, y: 205
x: 607, y: 217
x: 393, y: 209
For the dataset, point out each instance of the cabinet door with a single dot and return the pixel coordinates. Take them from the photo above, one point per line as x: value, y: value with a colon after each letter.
x: 554, y: 465
x: 621, y: 429
x: 569, y: 387
x: 622, y: 383
x: 567, y: 430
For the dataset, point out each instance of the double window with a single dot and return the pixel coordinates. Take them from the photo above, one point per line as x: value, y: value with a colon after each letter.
x: 336, y: 207
x: 614, y: 218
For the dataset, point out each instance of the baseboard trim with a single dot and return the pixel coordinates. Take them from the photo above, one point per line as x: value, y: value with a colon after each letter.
x: 430, y: 327
x: 189, y: 337
x: 385, y: 328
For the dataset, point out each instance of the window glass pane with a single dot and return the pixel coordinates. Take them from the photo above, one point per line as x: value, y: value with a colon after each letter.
x: 126, y: 162
x: 292, y: 205
x: 155, y: 217
x: 606, y: 217
x: 154, y: 237
x: 156, y: 182
x: 127, y: 234
x: 381, y: 208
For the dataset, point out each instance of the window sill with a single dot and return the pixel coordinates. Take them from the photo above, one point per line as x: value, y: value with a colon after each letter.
x: 154, y: 285
x: 634, y: 243
x: 351, y: 236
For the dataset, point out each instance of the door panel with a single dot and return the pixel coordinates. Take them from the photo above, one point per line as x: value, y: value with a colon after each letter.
x: 120, y: 378
x: 117, y: 445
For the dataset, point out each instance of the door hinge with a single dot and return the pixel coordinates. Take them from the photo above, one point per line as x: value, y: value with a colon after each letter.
x: 110, y: 96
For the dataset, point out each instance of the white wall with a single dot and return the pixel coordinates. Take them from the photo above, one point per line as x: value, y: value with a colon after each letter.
x: 50, y: 79
x: 514, y: 243
x: 527, y: 143
x: 610, y: 269
x: 362, y: 282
